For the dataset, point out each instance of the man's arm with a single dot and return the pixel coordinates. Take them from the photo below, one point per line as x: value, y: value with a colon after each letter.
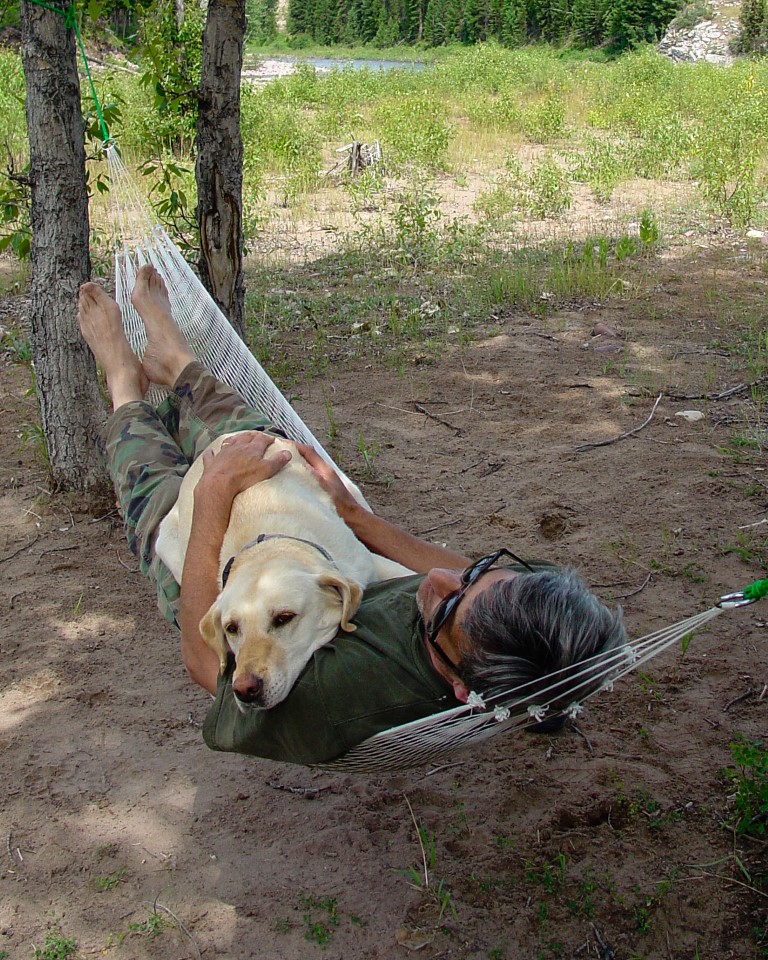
x: 379, y: 535
x: 238, y: 465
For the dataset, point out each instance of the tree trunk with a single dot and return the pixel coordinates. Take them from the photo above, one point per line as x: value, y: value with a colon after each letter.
x: 65, y: 374
x: 219, y: 168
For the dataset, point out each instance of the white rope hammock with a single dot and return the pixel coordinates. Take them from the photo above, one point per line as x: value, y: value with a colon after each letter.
x: 140, y: 240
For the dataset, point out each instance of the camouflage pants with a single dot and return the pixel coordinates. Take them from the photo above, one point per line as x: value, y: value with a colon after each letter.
x: 149, y: 450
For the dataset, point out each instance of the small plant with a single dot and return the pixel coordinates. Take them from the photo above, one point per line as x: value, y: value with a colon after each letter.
x: 750, y: 778
x: 551, y: 876
x: 319, y: 930
x: 110, y: 880
x: 56, y: 947
x: 152, y: 927
x: 369, y: 452
x: 649, y: 229
x: 17, y: 348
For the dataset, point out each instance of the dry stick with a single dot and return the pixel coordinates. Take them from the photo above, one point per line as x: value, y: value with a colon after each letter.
x: 739, y: 388
x: 20, y: 550
x: 744, y: 696
x: 621, y: 436
x: 437, y: 419
x: 421, y: 843
x: 717, y: 876
x: 72, y: 546
x: 582, y: 734
x: 445, y: 523
x: 302, y: 791
x: 183, y: 929
x: 643, y: 585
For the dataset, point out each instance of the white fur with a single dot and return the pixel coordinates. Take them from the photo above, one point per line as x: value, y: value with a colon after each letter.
x: 277, y: 577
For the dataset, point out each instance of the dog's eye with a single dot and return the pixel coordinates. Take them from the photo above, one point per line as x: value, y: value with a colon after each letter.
x: 232, y: 627
x: 280, y: 619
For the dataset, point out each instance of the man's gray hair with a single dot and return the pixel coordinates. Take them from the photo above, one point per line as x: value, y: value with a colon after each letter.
x: 526, y: 628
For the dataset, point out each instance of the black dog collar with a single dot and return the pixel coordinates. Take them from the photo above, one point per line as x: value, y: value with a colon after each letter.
x: 270, y: 536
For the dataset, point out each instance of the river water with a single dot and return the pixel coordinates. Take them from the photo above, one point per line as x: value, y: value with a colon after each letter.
x: 264, y: 69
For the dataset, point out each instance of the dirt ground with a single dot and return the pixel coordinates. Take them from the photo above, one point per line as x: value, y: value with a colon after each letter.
x: 121, y: 830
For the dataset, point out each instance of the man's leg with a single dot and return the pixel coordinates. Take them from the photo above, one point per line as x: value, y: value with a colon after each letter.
x: 199, y: 407
x: 145, y: 463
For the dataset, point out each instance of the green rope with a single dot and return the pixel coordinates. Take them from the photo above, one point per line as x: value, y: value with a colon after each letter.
x: 70, y: 20
x: 756, y: 590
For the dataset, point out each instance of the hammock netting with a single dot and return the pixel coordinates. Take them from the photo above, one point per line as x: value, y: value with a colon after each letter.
x: 140, y: 240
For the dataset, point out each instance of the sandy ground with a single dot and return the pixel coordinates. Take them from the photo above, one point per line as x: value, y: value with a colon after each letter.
x: 122, y: 831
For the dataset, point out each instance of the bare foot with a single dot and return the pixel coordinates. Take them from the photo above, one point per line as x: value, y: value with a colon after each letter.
x: 167, y: 352
x: 102, y: 328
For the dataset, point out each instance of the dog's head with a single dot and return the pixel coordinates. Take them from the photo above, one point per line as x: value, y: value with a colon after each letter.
x: 272, y: 617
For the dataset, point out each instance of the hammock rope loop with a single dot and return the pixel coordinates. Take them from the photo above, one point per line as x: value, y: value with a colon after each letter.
x: 751, y: 593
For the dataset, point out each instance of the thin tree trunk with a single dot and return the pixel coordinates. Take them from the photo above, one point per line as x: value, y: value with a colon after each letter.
x: 65, y: 375
x: 219, y: 168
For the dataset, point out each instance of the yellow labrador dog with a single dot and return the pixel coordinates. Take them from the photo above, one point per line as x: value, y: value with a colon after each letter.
x: 292, y: 573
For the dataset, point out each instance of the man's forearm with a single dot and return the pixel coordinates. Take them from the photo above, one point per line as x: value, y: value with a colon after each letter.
x: 200, y: 586
x: 393, y: 542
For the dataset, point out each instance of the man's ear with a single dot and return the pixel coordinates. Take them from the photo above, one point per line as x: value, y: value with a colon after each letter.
x: 351, y: 594
x: 213, y: 635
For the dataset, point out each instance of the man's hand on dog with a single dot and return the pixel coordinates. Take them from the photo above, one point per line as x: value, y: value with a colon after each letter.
x: 239, y: 463
x: 330, y: 481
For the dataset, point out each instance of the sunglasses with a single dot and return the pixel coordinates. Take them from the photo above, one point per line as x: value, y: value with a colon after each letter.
x: 448, y: 605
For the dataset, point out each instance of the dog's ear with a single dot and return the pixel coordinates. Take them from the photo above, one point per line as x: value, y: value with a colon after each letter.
x: 351, y: 594
x: 213, y: 635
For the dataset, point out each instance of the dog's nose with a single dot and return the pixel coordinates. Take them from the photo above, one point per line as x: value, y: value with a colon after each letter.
x: 248, y: 689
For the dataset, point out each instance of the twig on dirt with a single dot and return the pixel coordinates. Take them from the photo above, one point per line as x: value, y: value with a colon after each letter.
x: 608, y: 953
x: 11, y: 853
x: 105, y: 516
x: 764, y: 692
x: 473, y: 465
x: 758, y: 523
x: 72, y: 546
x: 20, y: 550
x: 739, y: 388
x: 432, y: 416
x: 714, y: 353
x: 122, y: 562
x: 309, y: 792
x: 713, y: 723
x: 744, y: 696
x: 583, y: 735
x: 493, y: 468
x: 444, y: 766
x: 157, y: 905
x: 544, y: 336
x: 621, y: 436
x: 445, y: 523
x: 421, y: 842
x: 632, y: 593
x: 717, y: 876
x: 389, y: 406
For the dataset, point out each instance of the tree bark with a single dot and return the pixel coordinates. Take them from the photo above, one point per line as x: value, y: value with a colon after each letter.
x: 71, y: 408
x: 219, y: 167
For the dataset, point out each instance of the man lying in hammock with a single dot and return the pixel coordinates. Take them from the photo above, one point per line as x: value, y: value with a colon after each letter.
x: 422, y: 642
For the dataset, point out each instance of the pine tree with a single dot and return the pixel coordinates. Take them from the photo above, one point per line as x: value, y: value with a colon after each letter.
x: 514, y: 30
x: 587, y: 22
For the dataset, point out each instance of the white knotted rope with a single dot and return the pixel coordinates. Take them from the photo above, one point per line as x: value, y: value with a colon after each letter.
x: 140, y: 240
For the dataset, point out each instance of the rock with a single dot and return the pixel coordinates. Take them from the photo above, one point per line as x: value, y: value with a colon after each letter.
x: 708, y: 40
x: 755, y: 234
x: 604, y: 329
x: 692, y: 416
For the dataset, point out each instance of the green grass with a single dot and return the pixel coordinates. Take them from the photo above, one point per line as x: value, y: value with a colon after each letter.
x: 56, y: 947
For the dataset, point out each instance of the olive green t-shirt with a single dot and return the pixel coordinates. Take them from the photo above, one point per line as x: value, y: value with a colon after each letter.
x: 354, y: 687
